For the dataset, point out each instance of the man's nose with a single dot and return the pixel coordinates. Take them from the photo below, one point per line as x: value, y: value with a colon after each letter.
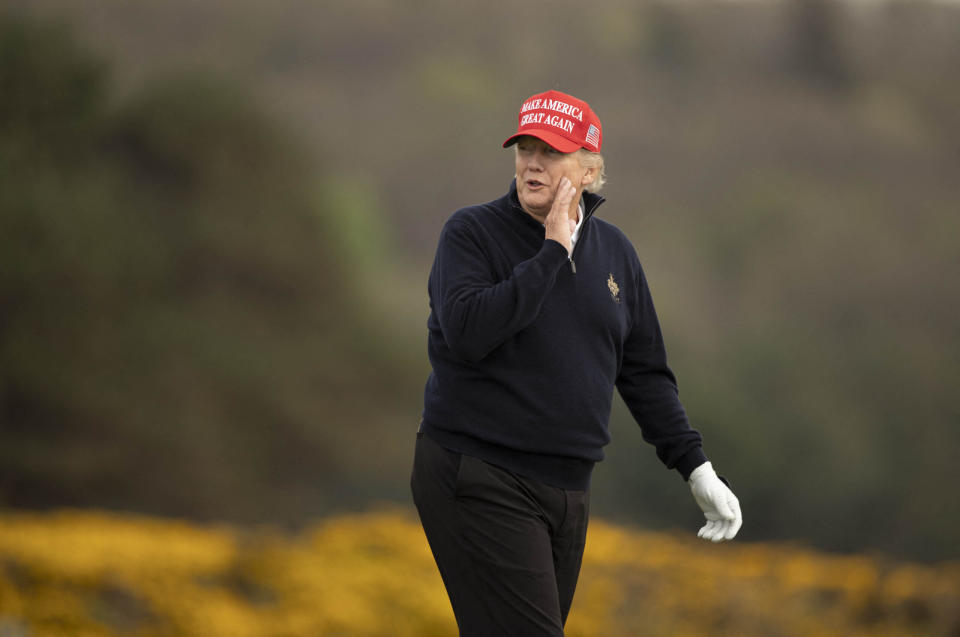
x: 536, y: 160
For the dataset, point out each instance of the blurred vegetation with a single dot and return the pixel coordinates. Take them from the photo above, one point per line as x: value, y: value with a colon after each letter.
x: 168, y: 293
x: 217, y: 218
x: 90, y: 574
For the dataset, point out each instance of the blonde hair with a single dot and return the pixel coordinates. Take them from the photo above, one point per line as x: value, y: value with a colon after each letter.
x: 593, y: 160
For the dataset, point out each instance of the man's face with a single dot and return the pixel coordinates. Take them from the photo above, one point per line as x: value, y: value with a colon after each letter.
x: 539, y: 169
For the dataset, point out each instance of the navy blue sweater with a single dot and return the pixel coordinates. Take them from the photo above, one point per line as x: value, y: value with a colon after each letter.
x: 527, y: 345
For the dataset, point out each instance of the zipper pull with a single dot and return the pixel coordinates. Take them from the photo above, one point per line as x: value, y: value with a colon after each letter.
x: 573, y: 266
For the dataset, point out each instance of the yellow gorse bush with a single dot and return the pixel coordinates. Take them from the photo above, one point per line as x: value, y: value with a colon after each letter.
x: 90, y: 574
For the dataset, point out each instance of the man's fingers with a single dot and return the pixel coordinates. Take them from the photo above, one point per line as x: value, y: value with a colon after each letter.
x: 732, y: 529
x: 558, y: 224
x: 724, y: 522
x: 737, y: 521
x: 720, y: 530
x: 709, y: 530
x: 562, y: 198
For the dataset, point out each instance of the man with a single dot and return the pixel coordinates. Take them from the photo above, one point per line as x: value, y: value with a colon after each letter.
x: 538, y: 310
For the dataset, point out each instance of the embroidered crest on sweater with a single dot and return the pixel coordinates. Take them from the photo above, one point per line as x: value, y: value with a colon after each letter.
x: 614, y: 288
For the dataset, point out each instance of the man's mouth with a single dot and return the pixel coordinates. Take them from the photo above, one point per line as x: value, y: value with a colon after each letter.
x: 534, y: 184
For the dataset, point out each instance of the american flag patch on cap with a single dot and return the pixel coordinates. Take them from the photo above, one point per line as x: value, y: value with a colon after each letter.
x: 593, y: 135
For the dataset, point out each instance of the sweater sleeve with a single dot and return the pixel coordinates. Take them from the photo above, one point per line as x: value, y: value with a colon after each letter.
x: 649, y: 389
x: 476, y: 312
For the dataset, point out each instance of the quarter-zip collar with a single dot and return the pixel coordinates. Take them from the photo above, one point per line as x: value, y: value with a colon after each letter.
x: 591, y: 201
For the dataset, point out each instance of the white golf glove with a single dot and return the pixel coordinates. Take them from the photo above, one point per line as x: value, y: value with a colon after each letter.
x: 720, y: 506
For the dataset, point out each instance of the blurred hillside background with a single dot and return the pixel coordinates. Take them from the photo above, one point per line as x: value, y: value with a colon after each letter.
x: 217, y: 220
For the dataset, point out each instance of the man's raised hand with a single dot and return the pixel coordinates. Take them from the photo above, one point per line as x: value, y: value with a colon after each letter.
x: 558, y: 224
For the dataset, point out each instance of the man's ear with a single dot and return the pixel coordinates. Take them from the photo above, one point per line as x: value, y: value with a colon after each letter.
x: 589, y: 175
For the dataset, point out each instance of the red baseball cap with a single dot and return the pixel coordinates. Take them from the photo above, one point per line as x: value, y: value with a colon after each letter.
x: 561, y: 120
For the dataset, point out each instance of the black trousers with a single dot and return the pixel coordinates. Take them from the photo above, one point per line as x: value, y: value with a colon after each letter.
x: 508, y: 548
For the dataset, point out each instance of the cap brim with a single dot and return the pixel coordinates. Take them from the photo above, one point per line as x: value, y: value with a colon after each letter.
x: 562, y: 144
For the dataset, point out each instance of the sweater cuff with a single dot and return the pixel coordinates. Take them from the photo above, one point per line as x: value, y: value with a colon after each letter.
x: 554, y: 249
x: 690, y: 461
